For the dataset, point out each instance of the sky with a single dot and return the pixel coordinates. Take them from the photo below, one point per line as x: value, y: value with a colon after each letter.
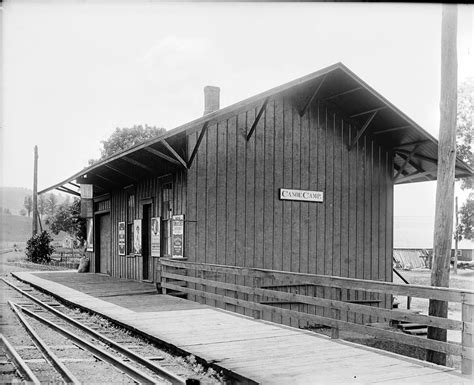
x: 74, y: 71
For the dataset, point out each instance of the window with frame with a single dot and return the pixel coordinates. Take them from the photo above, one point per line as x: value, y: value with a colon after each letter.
x: 130, y: 218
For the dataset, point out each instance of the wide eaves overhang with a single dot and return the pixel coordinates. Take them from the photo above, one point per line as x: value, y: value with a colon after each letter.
x: 415, y: 151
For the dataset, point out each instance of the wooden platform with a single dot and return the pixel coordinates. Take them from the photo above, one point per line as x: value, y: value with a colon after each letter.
x: 252, y: 349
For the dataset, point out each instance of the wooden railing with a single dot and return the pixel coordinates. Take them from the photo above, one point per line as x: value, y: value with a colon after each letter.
x: 210, y: 281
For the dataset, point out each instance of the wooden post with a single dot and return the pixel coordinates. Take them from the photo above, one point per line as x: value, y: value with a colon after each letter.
x: 257, y: 282
x: 455, y: 267
x: 35, y: 192
x: 445, y: 184
x: 163, y: 279
x: 336, y: 313
x: 466, y: 339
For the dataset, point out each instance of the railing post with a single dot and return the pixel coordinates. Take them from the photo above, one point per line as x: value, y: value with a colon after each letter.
x: 257, y: 282
x: 163, y: 279
x: 466, y: 339
x: 336, y: 313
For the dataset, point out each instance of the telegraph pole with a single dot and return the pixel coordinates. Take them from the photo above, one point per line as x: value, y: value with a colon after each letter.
x: 445, y: 184
x: 35, y: 193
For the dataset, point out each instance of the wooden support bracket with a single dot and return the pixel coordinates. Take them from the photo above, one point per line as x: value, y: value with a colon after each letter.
x: 198, y: 143
x: 259, y: 115
x: 161, y: 155
x: 175, y: 154
x: 310, y: 100
x: 68, y: 191
x: 362, y: 130
x: 405, y: 163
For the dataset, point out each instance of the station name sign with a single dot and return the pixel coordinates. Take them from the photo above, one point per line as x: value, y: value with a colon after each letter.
x: 301, y: 195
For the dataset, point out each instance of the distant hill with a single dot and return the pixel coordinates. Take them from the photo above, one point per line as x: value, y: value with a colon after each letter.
x: 17, y: 229
x: 12, y: 198
x: 14, y: 228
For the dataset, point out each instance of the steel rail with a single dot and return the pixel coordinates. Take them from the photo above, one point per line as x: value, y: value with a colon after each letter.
x: 160, y: 371
x: 65, y: 373
x: 20, y: 364
x: 134, y: 373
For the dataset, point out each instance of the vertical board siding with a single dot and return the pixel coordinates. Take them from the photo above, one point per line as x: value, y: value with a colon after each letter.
x: 233, y: 195
x: 131, y: 266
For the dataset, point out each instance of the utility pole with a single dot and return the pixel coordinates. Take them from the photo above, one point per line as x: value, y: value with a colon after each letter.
x: 445, y: 183
x: 455, y: 267
x: 35, y: 193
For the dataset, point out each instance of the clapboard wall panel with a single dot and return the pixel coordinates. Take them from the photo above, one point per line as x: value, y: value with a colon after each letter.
x: 237, y: 216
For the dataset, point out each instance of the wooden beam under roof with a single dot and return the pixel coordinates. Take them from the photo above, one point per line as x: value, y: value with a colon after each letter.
x: 75, y: 185
x: 175, y: 154
x: 68, y: 191
x: 385, y: 130
x: 343, y: 93
x: 368, y: 111
x: 137, y: 163
x: 408, y: 144
x: 313, y: 96
x: 161, y: 155
x: 94, y: 173
x: 121, y: 172
x: 362, y: 130
x: 416, y: 174
x: 259, y: 115
x: 198, y: 143
x: 419, y: 156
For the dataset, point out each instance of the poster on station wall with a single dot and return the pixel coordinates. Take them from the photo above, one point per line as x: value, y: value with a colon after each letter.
x: 137, y: 236
x: 155, y: 237
x: 121, y: 238
x: 177, y: 236
x: 90, y: 234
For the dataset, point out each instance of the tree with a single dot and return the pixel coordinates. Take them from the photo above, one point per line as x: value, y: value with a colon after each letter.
x: 39, y: 248
x: 68, y: 218
x: 123, y: 138
x: 28, y: 204
x: 51, y: 204
x: 41, y: 205
x: 465, y: 128
x: 23, y: 212
x: 465, y: 229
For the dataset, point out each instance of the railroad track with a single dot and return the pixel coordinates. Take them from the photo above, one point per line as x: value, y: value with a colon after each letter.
x: 79, y: 346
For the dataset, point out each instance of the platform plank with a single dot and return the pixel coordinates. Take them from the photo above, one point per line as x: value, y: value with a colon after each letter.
x: 254, y: 349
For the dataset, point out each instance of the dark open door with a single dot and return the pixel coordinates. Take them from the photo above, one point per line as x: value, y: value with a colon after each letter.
x: 102, y: 252
x: 146, y: 239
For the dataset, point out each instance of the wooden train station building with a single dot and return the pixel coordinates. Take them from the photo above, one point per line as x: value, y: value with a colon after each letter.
x: 299, y: 178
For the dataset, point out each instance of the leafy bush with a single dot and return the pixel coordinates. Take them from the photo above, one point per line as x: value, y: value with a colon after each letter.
x: 38, y: 248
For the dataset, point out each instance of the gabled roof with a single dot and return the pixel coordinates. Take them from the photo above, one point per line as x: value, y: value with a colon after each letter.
x: 415, y: 150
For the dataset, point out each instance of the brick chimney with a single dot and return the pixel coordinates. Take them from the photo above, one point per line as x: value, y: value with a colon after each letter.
x: 211, y: 99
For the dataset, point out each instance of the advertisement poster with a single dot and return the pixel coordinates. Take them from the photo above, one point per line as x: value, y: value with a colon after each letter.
x: 90, y: 234
x: 137, y: 236
x: 121, y: 238
x: 177, y: 236
x: 155, y: 237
